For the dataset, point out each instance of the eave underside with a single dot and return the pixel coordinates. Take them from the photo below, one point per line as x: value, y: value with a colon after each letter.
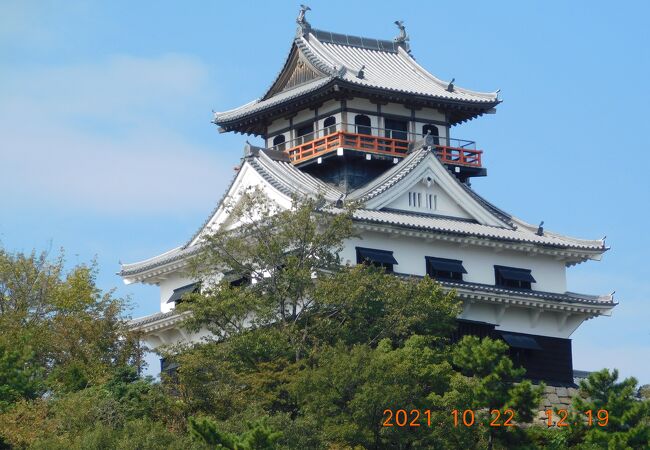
x: 255, y: 123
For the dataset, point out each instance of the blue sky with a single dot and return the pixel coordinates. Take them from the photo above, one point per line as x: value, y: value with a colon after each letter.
x: 106, y: 146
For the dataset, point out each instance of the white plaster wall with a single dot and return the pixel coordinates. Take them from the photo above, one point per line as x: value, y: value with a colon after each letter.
x: 328, y: 106
x: 442, y: 130
x: 430, y: 113
x: 175, y: 336
x: 478, y: 261
x: 524, y: 320
x: 365, y: 105
x: 269, y: 142
x: 277, y: 124
x: 304, y: 116
x: 396, y: 109
x: 167, y: 287
x: 362, y: 103
x: 442, y: 203
x: 320, y: 125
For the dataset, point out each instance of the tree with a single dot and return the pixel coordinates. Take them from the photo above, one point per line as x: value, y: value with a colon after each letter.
x: 20, y: 377
x: 73, y: 334
x: 281, y: 250
x: 628, y: 418
x: 496, y: 384
x: 331, y: 347
x: 259, y: 436
x: 66, y: 355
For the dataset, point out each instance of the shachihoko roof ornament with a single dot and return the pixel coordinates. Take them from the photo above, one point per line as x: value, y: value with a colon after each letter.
x: 403, y: 38
x: 332, y: 63
x: 304, y: 27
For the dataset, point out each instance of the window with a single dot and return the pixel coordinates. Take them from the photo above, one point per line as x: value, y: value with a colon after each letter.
x: 278, y: 142
x: 415, y: 199
x: 433, y: 131
x: 305, y: 133
x: 378, y: 258
x: 329, y: 125
x: 179, y: 293
x: 445, y: 269
x: 512, y: 277
x: 241, y: 281
x: 362, y: 123
x: 521, y: 341
x: 396, y: 129
x: 432, y: 201
x: 169, y: 368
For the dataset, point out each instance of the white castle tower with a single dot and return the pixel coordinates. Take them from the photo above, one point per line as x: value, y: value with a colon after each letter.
x: 358, y: 119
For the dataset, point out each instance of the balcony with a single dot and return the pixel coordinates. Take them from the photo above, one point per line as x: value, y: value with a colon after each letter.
x: 378, y: 141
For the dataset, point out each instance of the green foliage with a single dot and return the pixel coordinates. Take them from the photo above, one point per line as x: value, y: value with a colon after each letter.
x: 259, y: 436
x: 494, y: 374
x: 313, y: 348
x: 644, y: 392
x: 281, y: 250
x: 495, y: 384
x: 72, y: 334
x: 348, y: 389
x: 66, y: 362
x: 20, y: 378
x: 629, y: 417
x: 142, y: 434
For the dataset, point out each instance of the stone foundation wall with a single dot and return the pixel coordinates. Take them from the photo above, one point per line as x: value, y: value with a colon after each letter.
x: 555, y: 397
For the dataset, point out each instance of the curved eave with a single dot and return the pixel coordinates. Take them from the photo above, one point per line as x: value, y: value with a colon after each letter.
x: 157, y: 321
x: 152, y: 270
x: 567, y: 253
x: 568, y: 303
x: 254, y: 121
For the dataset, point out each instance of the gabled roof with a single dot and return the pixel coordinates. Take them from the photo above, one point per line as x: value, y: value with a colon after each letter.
x: 431, y: 222
x: 319, y: 60
x: 418, y: 164
x: 286, y: 179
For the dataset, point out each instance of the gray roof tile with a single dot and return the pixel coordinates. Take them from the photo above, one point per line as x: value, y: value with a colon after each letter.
x: 390, y: 68
x: 468, y: 228
x: 290, y: 180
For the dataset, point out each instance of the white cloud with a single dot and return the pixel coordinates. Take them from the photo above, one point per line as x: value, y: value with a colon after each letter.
x: 101, y: 137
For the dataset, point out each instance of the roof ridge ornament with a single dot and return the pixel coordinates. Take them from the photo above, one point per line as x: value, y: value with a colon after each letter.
x: 403, y: 38
x: 429, y: 141
x: 304, y: 27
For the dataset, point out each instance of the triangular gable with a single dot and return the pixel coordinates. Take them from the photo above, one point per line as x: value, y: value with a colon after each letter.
x: 246, y: 178
x: 297, y: 70
x: 429, y: 177
x: 428, y: 197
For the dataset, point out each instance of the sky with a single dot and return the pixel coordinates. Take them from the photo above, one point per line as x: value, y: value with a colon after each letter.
x: 107, y: 150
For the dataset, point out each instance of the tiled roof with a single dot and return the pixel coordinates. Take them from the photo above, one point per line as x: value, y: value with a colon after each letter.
x: 389, y: 178
x: 282, y: 175
x: 139, y: 321
x: 443, y: 224
x: 260, y: 105
x: 575, y: 299
x: 465, y: 287
x: 170, y: 256
x: 386, y: 66
x: 398, y: 172
x: 290, y: 180
x: 392, y: 70
x: 567, y: 297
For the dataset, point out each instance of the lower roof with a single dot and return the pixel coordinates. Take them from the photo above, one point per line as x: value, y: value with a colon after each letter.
x: 290, y: 180
x: 568, y: 301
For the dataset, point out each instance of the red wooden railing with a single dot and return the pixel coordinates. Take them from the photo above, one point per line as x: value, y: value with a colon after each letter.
x: 379, y: 145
